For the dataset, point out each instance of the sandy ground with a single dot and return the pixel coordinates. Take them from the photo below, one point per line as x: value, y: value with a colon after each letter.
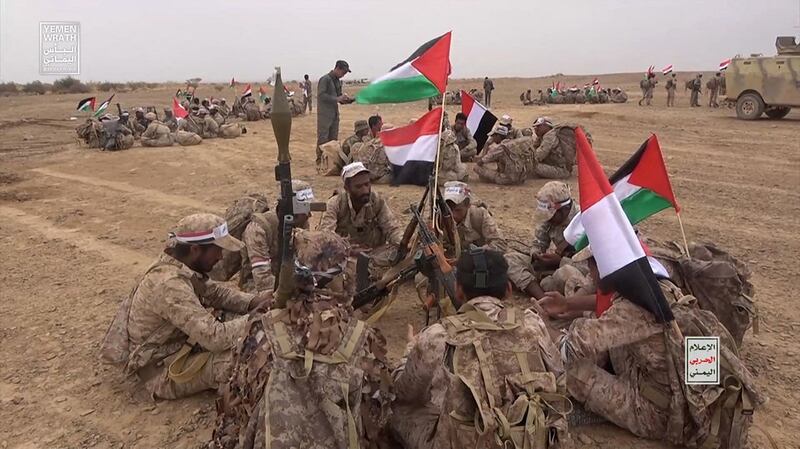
x: 77, y: 226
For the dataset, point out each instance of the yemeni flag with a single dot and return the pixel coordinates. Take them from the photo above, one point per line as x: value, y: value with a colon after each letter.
x: 621, y: 260
x: 724, y: 64
x: 479, y: 120
x: 412, y: 149
x: 422, y: 75
x: 86, y: 105
x: 641, y: 185
x: 178, y: 110
x: 103, y: 106
x: 667, y: 70
x: 247, y: 92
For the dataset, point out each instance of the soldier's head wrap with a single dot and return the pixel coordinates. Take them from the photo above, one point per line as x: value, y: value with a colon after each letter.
x: 203, y: 229
x: 321, y: 255
x: 551, y: 197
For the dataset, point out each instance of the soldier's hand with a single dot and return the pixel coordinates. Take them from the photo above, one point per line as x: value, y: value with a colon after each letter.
x: 554, y: 304
x: 261, y: 302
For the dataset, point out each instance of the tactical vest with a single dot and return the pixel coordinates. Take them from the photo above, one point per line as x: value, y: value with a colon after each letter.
x: 369, y: 233
x: 500, y: 394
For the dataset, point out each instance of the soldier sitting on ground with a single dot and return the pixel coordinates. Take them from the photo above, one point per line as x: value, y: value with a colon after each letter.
x: 116, y: 136
x: 510, y: 160
x: 372, y: 153
x: 467, y: 144
x: 157, y: 134
x: 554, y: 149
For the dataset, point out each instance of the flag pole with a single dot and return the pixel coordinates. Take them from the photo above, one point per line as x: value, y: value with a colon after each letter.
x: 436, y: 165
x: 683, y: 233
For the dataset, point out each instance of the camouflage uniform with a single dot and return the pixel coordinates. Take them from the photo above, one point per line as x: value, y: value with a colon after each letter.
x: 374, y: 226
x: 555, y: 152
x: 450, y: 166
x: 116, y: 136
x: 157, y: 134
x: 671, y: 86
x: 190, y: 124
x: 695, y: 85
x: 347, y: 145
x: 467, y: 144
x: 91, y: 133
x: 510, y: 158
x: 308, y: 375
x: 648, y: 86
x: 170, y: 120
x: 618, y: 96
x: 714, y: 85
x: 165, y: 317
x: 520, y: 266
x: 210, y: 127
x: 425, y: 390
x: 372, y: 154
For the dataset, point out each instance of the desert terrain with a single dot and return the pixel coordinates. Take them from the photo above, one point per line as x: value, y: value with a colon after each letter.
x: 78, y: 226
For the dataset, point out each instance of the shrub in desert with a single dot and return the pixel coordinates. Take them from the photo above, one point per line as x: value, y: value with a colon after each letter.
x: 35, y: 87
x: 9, y: 88
x: 69, y: 85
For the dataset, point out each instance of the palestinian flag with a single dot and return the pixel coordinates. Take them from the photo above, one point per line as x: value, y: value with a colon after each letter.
x: 103, y: 106
x: 667, y: 70
x: 412, y: 149
x: 724, y: 64
x: 247, y: 92
x: 621, y: 260
x: 479, y: 120
x: 233, y: 83
x: 87, y: 104
x: 178, y: 110
x: 641, y: 185
x: 422, y: 75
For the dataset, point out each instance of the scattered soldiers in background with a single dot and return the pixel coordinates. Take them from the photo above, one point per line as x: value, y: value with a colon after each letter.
x: 466, y: 143
x: 364, y: 217
x: 445, y: 397
x: 157, y: 134
x: 308, y: 375
x: 618, y: 96
x: 488, y: 87
x: 648, y: 85
x: 163, y: 331
x: 554, y: 149
x: 510, y: 160
x: 261, y: 239
x: 672, y: 85
x: 696, y: 86
x: 116, y: 136
x: 170, y: 120
x: 251, y: 111
x: 713, y: 87
x: 360, y: 134
x: 556, y: 209
x: 450, y: 166
x: 372, y: 153
x: 308, y: 91
x: 526, y: 98
x: 329, y: 97
x: 209, y: 125
x: 542, y: 98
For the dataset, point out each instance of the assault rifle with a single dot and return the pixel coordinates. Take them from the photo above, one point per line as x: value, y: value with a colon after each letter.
x: 442, y: 272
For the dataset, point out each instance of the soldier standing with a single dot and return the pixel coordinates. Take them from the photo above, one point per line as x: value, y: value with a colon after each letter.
x: 713, y: 86
x: 696, y: 86
x: 672, y: 85
x: 329, y: 97
x: 488, y: 87
x: 307, y: 94
x: 648, y: 85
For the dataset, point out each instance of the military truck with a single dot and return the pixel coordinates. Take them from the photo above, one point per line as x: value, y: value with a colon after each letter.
x: 766, y: 84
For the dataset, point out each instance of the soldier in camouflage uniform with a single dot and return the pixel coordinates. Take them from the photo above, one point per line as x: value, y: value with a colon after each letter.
x: 364, y: 217
x: 209, y: 126
x: 450, y: 166
x: 308, y: 375
x: 157, y: 134
x: 139, y: 122
x: 556, y: 209
x: 509, y: 155
x: 372, y: 154
x: 163, y: 332
x: 116, y: 136
x: 648, y: 85
x: 170, y: 120
x: 439, y: 404
x: 554, y: 149
x: 261, y: 238
x: 223, y: 107
x: 191, y: 123
x: 507, y: 121
x: 618, y: 96
x: 360, y: 133
x: 466, y: 143
x: 213, y: 112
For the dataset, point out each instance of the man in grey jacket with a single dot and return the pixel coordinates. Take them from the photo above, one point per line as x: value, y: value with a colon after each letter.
x: 329, y: 96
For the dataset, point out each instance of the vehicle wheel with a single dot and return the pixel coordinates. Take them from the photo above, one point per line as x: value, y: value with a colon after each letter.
x: 749, y: 106
x: 778, y: 113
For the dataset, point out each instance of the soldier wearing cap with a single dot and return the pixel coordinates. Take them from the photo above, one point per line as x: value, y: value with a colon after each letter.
x: 170, y: 120
x: 510, y: 160
x: 209, y: 126
x: 450, y: 166
x: 372, y: 153
x: 466, y: 143
x: 163, y: 332
x: 261, y: 238
x: 554, y: 149
x: 329, y: 97
x: 157, y: 133
x: 363, y: 216
x: 556, y: 208
x: 507, y: 121
x: 360, y: 132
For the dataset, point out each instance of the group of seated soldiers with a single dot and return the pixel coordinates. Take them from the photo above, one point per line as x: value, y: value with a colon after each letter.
x: 573, y: 95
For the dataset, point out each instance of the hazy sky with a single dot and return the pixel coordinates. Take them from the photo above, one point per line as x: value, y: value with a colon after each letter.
x: 215, y: 40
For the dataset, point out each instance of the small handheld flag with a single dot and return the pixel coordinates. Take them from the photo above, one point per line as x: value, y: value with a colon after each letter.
x: 667, y: 69
x: 103, y: 106
x: 724, y: 64
x: 247, y: 92
x: 178, y: 110
x: 87, y: 104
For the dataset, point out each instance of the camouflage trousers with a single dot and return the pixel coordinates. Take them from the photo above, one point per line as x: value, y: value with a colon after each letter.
x: 468, y: 154
x: 459, y: 174
x: 162, y: 141
x: 414, y: 427
x: 618, y: 398
x: 230, y: 130
x: 547, y: 171
x: 694, y: 99
x: 670, y: 98
x: 487, y: 174
x: 520, y: 269
x: 186, y: 138
x: 214, y: 374
x: 568, y: 279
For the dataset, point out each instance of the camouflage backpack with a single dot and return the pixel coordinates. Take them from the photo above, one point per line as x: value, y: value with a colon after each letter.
x: 500, y: 394
x: 719, y: 281
x: 238, y: 216
x: 708, y: 416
